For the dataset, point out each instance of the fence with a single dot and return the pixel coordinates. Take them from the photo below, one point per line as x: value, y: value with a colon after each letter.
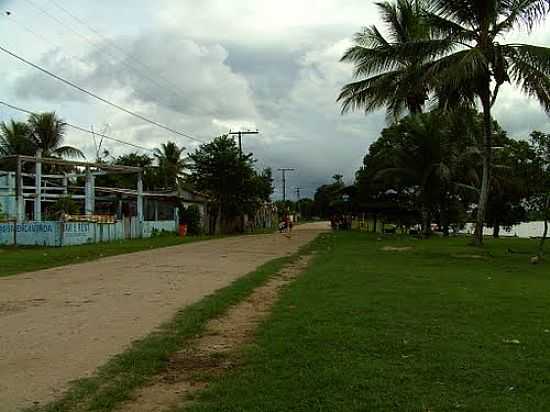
x: 78, y: 233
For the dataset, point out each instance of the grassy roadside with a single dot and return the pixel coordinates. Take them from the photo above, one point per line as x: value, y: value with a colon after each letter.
x: 21, y: 259
x: 114, y: 382
x: 440, y: 327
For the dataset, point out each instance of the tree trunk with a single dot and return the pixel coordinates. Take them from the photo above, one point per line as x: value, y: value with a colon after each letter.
x: 426, y: 222
x: 486, y: 176
x: 496, y: 230
x: 545, y: 233
x: 445, y: 216
x: 374, y: 222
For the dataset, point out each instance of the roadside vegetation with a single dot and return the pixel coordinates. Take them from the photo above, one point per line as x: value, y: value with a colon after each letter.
x: 400, y: 324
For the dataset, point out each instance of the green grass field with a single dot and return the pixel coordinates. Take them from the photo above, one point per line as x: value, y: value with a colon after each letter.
x: 441, y: 327
x: 14, y: 260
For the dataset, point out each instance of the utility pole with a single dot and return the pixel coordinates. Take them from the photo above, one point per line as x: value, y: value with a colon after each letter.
x: 283, y: 172
x: 240, y: 135
x: 298, y: 189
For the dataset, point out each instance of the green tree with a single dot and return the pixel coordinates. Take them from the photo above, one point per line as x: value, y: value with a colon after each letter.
x: 388, y: 78
x: 229, y: 179
x: 171, y: 163
x: 475, y: 63
x: 540, y: 182
x: 47, y: 133
x: 326, y: 195
x: 464, y: 61
x: 15, y: 139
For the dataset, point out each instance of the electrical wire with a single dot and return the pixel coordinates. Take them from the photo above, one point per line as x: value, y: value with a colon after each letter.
x: 95, y: 96
x: 20, y: 109
x: 147, y: 76
x: 113, y: 44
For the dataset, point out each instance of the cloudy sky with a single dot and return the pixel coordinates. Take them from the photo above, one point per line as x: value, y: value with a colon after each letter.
x: 206, y: 67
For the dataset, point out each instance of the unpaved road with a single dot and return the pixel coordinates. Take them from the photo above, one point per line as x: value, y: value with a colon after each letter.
x: 57, y: 325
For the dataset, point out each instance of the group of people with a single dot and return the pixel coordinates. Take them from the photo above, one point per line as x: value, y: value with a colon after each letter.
x: 340, y: 222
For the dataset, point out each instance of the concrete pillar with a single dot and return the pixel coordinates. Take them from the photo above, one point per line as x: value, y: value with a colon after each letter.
x: 89, y: 201
x: 38, y: 187
x: 140, y: 198
x: 156, y: 210
x: 20, y: 200
x: 140, y: 204
x: 65, y: 184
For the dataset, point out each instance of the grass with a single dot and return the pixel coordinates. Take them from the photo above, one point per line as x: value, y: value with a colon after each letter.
x: 441, y: 327
x: 19, y: 259
x: 114, y: 382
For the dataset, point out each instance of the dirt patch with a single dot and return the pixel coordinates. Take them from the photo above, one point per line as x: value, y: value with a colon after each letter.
x: 397, y: 248
x: 462, y: 256
x: 60, y: 324
x: 214, y: 352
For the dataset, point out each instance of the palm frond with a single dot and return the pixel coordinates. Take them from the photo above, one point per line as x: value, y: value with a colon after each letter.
x: 521, y: 12
x: 530, y: 70
x: 441, y: 27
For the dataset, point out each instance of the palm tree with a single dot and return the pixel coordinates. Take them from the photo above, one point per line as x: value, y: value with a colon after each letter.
x: 477, y: 64
x: 15, y: 139
x: 389, y: 78
x: 47, y: 133
x: 463, y: 62
x: 171, y: 163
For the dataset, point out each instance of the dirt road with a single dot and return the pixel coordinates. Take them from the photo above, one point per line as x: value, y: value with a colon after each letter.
x: 60, y: 324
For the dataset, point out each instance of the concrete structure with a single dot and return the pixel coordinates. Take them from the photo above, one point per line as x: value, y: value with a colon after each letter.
x: 108, y: 213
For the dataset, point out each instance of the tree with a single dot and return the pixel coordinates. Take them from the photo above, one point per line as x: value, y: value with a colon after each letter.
x: 47, y: 133
x: 229, y: 179
x: 510, y: 186
x: 171, y: 163
x: 540, y: 182
x: 473, y: 64
x: 462, y: 62
x: 15, y: 139
x: 326, y: 195
x: 388, y: 79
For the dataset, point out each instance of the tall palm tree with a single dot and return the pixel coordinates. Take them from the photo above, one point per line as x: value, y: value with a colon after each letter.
x: 477, y: 64
x: 464, y: 62
x: 387, y: 77
x: 47, y: 133
x: 171, y: 163
x: 15, y: 139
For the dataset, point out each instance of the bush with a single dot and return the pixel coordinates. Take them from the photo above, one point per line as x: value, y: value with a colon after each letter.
x: 191, y: 216
x: 63, y: 206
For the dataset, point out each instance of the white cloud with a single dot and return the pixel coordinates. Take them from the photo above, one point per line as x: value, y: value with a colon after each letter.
x: 216, y: 65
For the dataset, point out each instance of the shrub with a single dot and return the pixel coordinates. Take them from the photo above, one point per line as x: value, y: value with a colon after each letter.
x: 191, y: 216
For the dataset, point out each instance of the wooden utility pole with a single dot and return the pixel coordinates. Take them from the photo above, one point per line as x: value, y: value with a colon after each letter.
x: 283, y: 171
x: 240, y: 135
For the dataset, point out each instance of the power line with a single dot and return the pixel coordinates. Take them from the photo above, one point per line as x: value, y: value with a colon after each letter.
x: 147, y: 75
x: 95, y: 96
x: 113, y: 44
x: 240, y: 134
x: 19, y: 109
x: 48, y: 41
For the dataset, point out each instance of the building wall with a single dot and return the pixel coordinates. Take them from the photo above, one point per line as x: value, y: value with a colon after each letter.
x: 78, y: 233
